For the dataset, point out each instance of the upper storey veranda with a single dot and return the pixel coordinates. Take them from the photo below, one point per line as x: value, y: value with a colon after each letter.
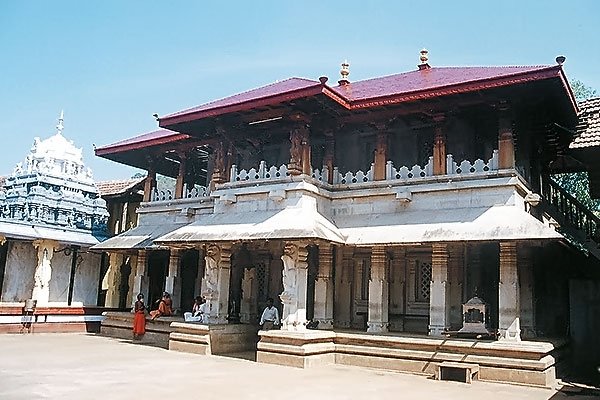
x: 414, y: 125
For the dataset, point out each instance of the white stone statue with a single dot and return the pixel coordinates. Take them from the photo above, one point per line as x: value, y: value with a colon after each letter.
x: 213, y: 254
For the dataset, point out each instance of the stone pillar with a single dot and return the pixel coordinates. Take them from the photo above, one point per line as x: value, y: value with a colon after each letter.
x: 439, y: 147
x: 439, y: 296
x: 398, y: 287
x: 215, y: 285
x: 526, y: 292
x: 115, y: 262
x: 508, y: 293
x: 343, y: 287
x: 380, y: 158
x: 324, y: 288
x: 329, y: 157
x: 173, y: 280
x: 295, y: 275
x: 141, y: 280
x: 456, y: 269
x: 179, y: 183
x: 248, y: 310
x: 506, y: 146
x: 378, y: 291
x: 43, y: 271
x: 149, y: 185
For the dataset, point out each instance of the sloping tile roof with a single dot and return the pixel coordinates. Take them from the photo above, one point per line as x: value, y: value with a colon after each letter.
x: 115, y: 187
x: 589, y: 127
x: 426, y: 79
x: 159, y: 136
x: 273, y: 89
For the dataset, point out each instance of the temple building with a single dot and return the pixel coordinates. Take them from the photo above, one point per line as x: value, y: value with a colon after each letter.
x: 377, y: 211
x: 50, y: 215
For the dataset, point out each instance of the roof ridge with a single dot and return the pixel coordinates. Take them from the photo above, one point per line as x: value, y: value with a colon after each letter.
x: 241, y: 93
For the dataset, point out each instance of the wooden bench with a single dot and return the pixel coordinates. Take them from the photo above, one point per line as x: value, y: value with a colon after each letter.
x: 447, y: 371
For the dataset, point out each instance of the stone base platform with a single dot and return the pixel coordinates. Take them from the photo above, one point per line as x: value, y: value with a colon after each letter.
x: 198, y: 338
x: 528, y: 363
x: 120, y: 325
x: 50, y: 319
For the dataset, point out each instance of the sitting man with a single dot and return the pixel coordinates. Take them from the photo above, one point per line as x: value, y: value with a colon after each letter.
x: 198, y: 311
x: 164, y: 307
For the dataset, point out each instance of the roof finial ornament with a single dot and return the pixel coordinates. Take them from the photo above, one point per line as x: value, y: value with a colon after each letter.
x: 344, y: 72
x: 60, y: 126
x: 424, y: 60
x: 560, y: 60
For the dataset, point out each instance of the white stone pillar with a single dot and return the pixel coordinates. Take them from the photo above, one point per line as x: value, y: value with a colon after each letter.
x: 509, y: 323
x: 215, y: 285
x: 43, y: 271
x: 173, y: 280
x: 113, y: 279
x: 378, y: 291
x: 527, y: 294
x: 343, y: 287
x: 456, y: 269
x: 141, y: 280
x: 293, y: 297
x: 397, y: 288
x: 438, y: 295
x: 324, y: 288
x: 248, y: 311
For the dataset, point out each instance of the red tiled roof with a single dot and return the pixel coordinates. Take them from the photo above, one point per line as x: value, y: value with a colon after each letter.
x: 290, y: 89
x: 157, y: 137
x: 426, y: 80
x: 589, y: 131
x: 111, y: 188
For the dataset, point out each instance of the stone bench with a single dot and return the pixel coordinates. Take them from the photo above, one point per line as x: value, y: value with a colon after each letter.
x: 447, y: 368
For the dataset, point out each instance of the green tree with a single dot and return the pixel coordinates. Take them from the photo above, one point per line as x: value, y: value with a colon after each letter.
x: 577, y: 183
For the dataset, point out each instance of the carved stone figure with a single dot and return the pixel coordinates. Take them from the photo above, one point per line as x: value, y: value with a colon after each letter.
x: 213, y: 254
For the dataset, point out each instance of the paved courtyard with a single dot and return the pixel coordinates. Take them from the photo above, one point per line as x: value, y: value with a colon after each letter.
x: 71, y: 366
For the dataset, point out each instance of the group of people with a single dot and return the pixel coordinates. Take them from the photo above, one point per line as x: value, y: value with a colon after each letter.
x: 268, y: 320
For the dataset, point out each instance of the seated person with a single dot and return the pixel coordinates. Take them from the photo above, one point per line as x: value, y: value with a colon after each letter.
x: 198, y: 311
x: 164, y: 307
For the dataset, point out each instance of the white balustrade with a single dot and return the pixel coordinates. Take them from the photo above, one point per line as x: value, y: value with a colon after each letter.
x: 350, y: 178
x: 466, y: 167
x: 195, y: 191
x: 162, y: 195
x: 404, y: 172
x: 261, y: 173
x: 321, y: 176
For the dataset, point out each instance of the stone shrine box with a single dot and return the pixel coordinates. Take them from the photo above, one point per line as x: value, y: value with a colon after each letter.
x: 475, y: 314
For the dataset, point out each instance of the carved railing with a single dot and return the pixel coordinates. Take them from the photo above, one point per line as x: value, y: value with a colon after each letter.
x: 162, y: 195
x: 195, y: 191
x: 408, y: 173
x: 254, y: 174
x: 321, y: 175
x: 169, y: 194
x: 467, y: 167
x: 571, y: 210
x: 350, y: 178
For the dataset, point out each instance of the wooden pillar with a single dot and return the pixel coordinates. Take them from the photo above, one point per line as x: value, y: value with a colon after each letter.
x: 378, y: 291
x: 506, y: 147
x: 508, y: 293
x: 173, y: 280
x: 439, y: 296
x: 324, y: 288
x: 300, y: 151
x: 149, y: 184
x: 381, y: 151
x: 439, y: 146
x: 179, y: 184
x: 329, y: 157
x: 220, y: 172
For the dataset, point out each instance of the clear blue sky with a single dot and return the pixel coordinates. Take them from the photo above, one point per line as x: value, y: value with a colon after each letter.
x: 112, y: 64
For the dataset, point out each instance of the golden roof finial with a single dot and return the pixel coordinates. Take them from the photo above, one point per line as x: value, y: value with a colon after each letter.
x: 344, y: 72
x: 424, y: 59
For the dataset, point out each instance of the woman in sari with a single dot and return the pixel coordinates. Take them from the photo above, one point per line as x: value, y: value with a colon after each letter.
x: 164, y: 307
x: 139, y: 317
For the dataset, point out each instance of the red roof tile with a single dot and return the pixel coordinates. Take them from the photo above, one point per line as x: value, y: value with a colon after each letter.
x: 111, y: 188
x: 287, y: 86
x: 426, y: 80
x: 589, y: 130
x: 160, y: 136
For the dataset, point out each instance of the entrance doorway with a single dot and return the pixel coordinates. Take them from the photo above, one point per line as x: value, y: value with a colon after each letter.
x: 188, y: 273
x: 158, y: 265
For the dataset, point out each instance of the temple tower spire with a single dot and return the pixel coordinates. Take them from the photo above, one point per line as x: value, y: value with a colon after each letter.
x: 60, y: 126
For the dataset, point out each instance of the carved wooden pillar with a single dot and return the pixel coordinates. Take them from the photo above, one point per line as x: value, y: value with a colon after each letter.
x: 439, y: 146
x: 173, y: 280
x: 509, y: 323
x: 381, y: 151
x: 220, y: 172
x: 215, y: 285
x: 506, y: 147
x: 179, y: 184
x: 329, y: 157
x: 324, y: 288
x: 149, y: 184
x: 378, y: 291
x: 439, y: 296
x: 140, y: 280
x: 300, y: 151
x: 293, y: 297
